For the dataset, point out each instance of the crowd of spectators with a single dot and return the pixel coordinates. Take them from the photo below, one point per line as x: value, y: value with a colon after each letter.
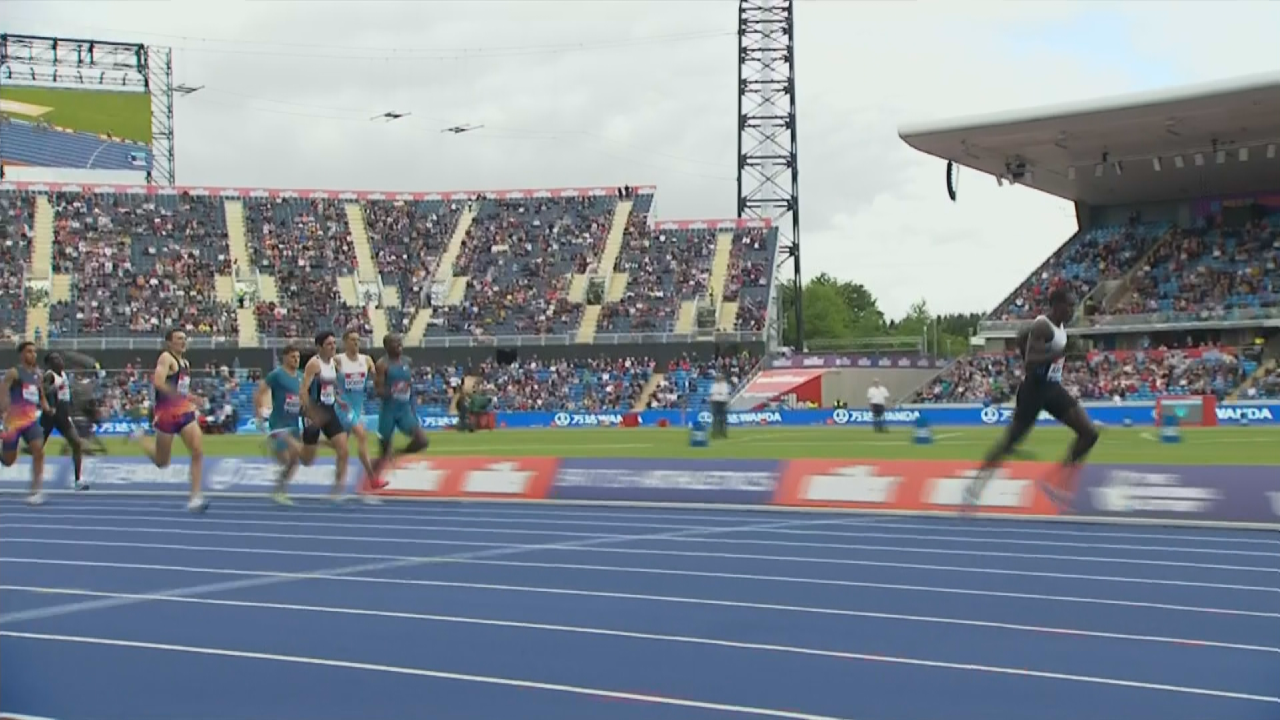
x: 665, y: 267
x: 1092, y: 257
x: 520, y: 256
x: 15, y: 253
x: 141, y: 264
x: 687, y: 381
x: 407, y: 239
x: 1097, y: 376
x: 1208, y: 270
x: 306, y: 244
x: 1266, y: 386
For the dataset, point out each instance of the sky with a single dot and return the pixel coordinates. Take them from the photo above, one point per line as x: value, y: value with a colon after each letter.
x: 580, y: 94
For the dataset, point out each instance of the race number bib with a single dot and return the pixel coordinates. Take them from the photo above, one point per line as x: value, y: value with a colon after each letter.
x: 1055, y: 370
x: 31, y: 394
x: 401, y: 391
x: 355, y: 381
x: 327, y: 396
x: 64, y: 393
x: 184, y: 385
x: 292, y: 404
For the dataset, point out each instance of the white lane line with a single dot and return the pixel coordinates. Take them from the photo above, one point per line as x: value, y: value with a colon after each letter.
x: 682, y: 536
x: 279, y: 518
x: 60, y: 610
x: 692, y: 573
x: 418, y: 672
x: 882, y: 659
x: 489, y: 513
x: 670, y: 599
x: 777, y: 558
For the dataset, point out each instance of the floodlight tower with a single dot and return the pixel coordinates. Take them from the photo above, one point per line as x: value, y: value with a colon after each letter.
x: 56, y: 62
x: 768, y: 168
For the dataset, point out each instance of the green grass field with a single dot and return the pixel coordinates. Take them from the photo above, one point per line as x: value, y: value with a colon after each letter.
x: 125, y: 115
x: 1199, y: 446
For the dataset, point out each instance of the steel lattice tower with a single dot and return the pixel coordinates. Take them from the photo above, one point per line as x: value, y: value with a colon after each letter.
x: 768, y: 167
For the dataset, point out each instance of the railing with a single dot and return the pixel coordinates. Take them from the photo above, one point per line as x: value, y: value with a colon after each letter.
x: 1152, y: 321
x: 196, y: 342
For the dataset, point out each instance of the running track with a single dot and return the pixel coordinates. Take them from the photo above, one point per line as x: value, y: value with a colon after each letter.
x: 129, y: 608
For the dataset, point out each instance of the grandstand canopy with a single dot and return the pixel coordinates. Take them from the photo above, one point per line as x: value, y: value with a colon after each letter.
x: 1060, y: 149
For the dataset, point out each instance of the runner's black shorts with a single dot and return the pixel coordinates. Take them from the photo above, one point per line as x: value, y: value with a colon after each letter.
x: 330, y: 427
x: 1035, y: 396
x: 60, y: 421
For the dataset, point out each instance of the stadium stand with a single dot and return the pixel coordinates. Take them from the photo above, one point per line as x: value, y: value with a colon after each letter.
x: 16, y: 230
x: 136, y: 264
x: 1096, y: 376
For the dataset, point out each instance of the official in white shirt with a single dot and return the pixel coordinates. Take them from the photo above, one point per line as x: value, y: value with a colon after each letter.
x: 877, y: 398
x: 720, y: 407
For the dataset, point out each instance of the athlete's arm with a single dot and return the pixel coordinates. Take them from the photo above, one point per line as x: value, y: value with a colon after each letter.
x: 44, y: 401
x: 1038, y: 338
x: 260, y: 396
x: 308, y: 376
x: 164, y: 366
x: 380, y: 377
x: 5, y: 385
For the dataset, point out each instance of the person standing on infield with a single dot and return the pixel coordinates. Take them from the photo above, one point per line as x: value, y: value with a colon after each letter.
x: 720, y: 407
x: 877, y: 399
x: 1044, y: 347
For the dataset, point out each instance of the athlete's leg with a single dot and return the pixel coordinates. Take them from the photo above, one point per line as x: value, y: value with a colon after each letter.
x: 340, y: 443
x: 193, y: 438
x: 362, y: 447
x: 72, y: 438
x: 1067, y: 411
x: 1024, y: 419
x: 159, y: 449
x: 310, y: 443
x: 407, y: 422
x: 35, y: 443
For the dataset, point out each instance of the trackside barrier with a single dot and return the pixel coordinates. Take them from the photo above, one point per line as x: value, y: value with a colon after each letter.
x: 1243, y: 496
x: 1255, y: 412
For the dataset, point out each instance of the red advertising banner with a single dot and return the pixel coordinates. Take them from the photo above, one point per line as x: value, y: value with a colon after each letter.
x: 526, y: 478
x: 912, y: 485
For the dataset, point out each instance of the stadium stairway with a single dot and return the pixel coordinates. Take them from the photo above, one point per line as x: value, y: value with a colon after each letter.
x: 617, y: 287
x: 60, y: 289
x: 37, y: 319
x: 418, y: 328
x: 378, y: 321
x: 444, y: 270
x: 42, y: 250
x: 366, y: 269
x: 578, y: 285
x: 613, y: 242
x: 726, y: 317
x: 233, y: 212
x: 247, y: 321
x: 587, y: 327
x: 642, y: 401
x: 349, y: 290
x: 225, y: 287
x: 688, y: 317
x: 1259, y: 372
x: 727, y: 320
x: 1124, y: 288
x: 390, y: 296
x: 268, y: 290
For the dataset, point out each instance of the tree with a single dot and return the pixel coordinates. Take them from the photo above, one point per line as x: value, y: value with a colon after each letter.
x: 842, y: 310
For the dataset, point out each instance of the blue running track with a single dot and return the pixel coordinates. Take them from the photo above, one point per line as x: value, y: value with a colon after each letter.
x: 130, y: 608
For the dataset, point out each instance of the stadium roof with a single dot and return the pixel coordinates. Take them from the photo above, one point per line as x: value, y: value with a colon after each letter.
x: 1126, y: 149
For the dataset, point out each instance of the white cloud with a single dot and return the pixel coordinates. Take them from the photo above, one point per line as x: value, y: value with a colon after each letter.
x: 287, y: 105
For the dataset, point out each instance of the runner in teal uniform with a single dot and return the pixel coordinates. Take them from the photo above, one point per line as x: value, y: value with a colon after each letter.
x: 393, y: 381
x: 283, y: 416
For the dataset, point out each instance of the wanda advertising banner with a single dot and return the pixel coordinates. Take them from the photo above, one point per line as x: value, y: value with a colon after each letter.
x: 1230, y: 494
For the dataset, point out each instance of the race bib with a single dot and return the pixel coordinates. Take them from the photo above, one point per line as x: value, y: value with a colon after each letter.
x: 401, y: 391
x: 327, y: 395
x: 64, y: 393
x: 1055, y: 370
x: 184, y: 385
x: 355, y: 381
x: 292, y: 404
x: 31, y: 394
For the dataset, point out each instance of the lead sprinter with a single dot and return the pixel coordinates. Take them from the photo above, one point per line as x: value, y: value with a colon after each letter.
x: 1043, y: 345
x: 175, y: 415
